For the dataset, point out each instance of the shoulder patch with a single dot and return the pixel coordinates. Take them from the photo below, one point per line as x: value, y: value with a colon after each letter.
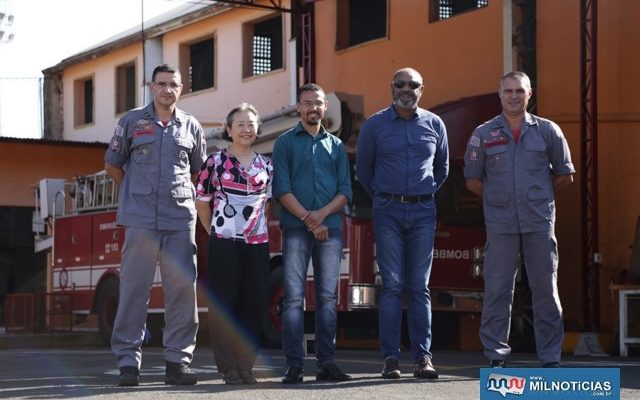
x: 119, y: 131
x: 115, y: 144
x: 474, y: 141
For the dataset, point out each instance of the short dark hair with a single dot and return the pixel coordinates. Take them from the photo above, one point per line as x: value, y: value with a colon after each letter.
x: 164, y: 68
x: 309, y: 87
x: 237, y: 109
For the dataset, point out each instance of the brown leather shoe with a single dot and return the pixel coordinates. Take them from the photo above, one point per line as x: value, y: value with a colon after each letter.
x: 424, y: 369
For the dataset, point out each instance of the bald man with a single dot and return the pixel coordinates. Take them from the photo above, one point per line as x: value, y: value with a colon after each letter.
x: 402, y: 160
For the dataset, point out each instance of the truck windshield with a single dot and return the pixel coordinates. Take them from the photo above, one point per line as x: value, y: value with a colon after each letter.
x: 456, y: 205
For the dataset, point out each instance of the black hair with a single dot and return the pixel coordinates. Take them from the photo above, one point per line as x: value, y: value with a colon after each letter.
x: 237, y: 109
x: 164, y: 68
x: 309, y: 87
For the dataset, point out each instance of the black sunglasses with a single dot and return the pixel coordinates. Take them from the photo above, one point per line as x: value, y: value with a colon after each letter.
x: 413, y: 85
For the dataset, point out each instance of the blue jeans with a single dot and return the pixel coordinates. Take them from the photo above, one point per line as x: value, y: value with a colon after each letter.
x: 299, y: 246
x: 404, y: 251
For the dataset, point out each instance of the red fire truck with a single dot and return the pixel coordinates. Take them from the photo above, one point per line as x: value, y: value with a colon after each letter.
x: 87, y: 242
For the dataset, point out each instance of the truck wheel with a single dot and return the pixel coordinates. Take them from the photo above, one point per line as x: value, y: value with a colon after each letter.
x: 272, y: 325
x: 107, y: 306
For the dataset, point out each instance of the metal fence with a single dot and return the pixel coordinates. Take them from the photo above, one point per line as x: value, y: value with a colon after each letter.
x: 38, y: 312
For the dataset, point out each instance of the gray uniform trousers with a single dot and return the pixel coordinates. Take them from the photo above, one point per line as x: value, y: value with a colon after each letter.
x: 500, y: 267
x: 176, y: 253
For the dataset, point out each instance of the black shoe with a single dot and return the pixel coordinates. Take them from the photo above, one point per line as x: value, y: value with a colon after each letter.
x: 329, y: 371
x: 179, y: 374
x: 293, y: 375
x: 497, y: 364
x: 552, y: 364
x: 391, y: 368
x: 247, y: 378
x: 232, y: 377
x: 129, y: 376
x: 424, y: 369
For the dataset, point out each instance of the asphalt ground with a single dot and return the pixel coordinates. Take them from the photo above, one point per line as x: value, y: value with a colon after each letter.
x: 45, y: 373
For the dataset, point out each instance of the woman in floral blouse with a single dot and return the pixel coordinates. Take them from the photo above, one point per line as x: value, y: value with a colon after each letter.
x: 238, y: 180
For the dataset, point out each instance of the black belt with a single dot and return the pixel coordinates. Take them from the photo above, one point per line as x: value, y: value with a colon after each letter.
x: 407, y: 199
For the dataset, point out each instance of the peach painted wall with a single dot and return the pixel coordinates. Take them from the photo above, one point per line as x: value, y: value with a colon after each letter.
x: 618, y: 137
x: 269, y: 92
x: 24, y: 163
x: 103, y: 70
x: 454, y: 62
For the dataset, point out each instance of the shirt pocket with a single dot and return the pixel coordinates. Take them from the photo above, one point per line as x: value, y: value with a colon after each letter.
x: 497, y: 160
x: 497, y: 198
x: 142, y: 149
x: 183, y: 148
x: 536, y: 154
x: 426, y: 144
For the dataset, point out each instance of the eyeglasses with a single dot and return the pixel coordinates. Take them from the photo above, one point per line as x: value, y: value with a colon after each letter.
x: 413, y: 85
x: 171, y: 85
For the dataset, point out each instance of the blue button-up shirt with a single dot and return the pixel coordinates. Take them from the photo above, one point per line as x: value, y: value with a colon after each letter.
x: 518, y: 195
x: 314, y: 169
x: 402, y: 156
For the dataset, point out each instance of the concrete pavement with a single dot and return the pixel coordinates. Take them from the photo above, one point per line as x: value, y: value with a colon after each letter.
x: 91, y: 372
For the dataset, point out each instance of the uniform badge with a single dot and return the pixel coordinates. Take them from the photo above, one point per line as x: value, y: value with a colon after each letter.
x: 474, y: 141
x: 115, y: 144
x: 143, y: 127
x: 119, y: 131
x: 473, y: 156
x: 495, y: 133
x: 183, y: 154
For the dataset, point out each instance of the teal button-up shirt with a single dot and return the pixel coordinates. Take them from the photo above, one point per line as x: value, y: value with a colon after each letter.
x: 314, y: 169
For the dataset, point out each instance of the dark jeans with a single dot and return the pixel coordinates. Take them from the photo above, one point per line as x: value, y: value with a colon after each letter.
x: 237, y: 301
x: 404, y: 251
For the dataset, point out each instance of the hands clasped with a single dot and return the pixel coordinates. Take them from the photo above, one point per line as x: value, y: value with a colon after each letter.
x: 313, y: 220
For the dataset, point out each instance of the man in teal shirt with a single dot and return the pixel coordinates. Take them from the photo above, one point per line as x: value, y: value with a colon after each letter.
x: 312, y: 182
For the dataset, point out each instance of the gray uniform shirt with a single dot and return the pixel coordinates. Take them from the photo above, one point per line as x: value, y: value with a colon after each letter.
x: 518, y: 194
x: 157, y: 192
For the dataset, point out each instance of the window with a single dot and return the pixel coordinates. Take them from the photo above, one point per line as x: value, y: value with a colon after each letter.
x: 197, y: 65
x: 444, y: 9
x: 359, y: 21
x: 125, y: 87
x: 83, y: 101
x: 262, y: 46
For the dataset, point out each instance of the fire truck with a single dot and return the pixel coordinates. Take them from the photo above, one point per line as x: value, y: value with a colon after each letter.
x: 85, y: 242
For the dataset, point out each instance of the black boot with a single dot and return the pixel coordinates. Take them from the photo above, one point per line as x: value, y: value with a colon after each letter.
x: 179, y: 374
x: 129, y: 376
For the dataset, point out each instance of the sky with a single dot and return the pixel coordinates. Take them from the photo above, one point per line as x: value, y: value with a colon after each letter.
x: 45, y: 33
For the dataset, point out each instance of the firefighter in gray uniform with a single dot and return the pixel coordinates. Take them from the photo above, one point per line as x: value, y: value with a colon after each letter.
x: 154, y: 154
x: 516, y: 162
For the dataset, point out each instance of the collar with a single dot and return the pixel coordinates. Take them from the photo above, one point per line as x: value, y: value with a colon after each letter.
x: 501, y: 122
x: 150, y: 113
x: 300, y: 129
x: 393, y: 113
